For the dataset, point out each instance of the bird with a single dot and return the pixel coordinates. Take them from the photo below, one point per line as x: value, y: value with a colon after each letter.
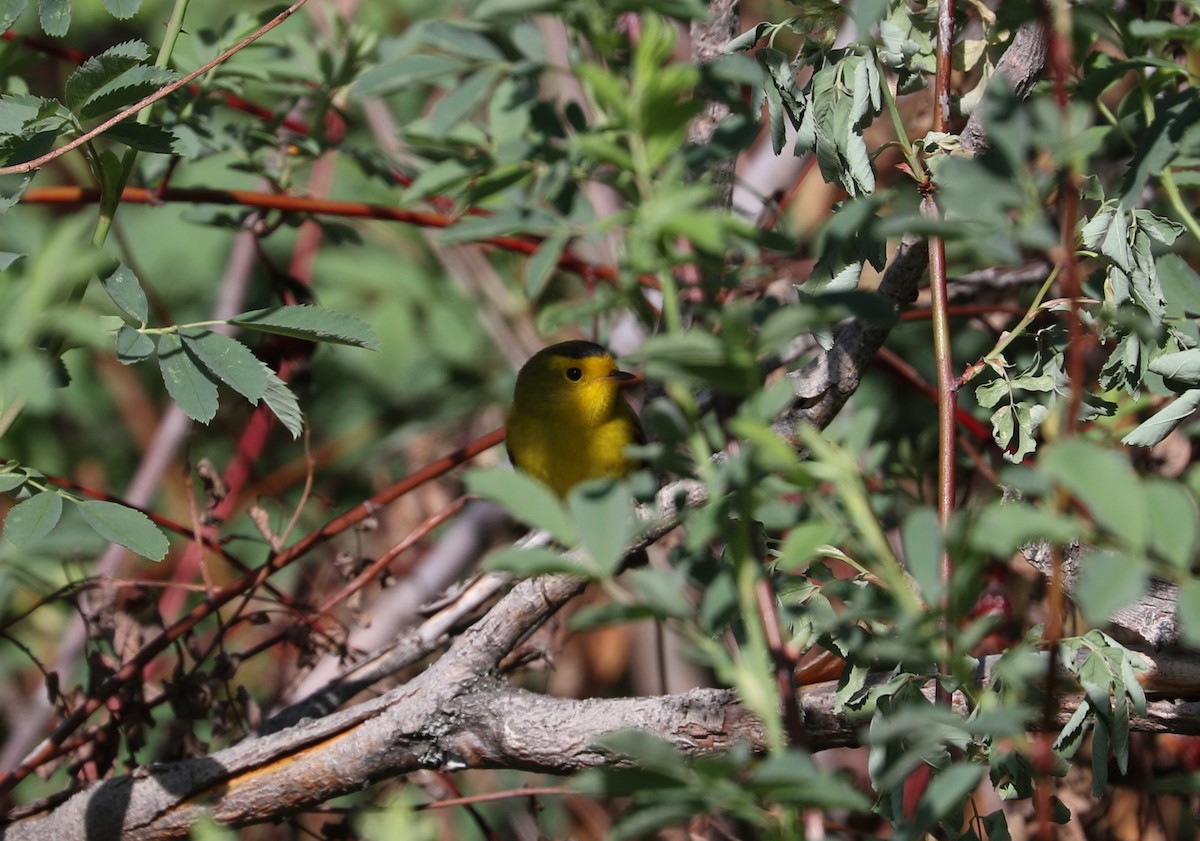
x: 568, y: 422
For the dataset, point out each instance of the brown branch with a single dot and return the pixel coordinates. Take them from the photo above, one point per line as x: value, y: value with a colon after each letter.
x: 450, y: 718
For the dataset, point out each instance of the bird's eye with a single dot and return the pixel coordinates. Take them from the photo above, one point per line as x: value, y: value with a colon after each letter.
x: 574, y: 374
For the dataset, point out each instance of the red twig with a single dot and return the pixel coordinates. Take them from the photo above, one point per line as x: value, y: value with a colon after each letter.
x: 328, y: 207
x: 132, y: 669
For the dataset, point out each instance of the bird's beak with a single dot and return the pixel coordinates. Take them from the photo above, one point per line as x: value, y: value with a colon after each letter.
x: 624, y: 378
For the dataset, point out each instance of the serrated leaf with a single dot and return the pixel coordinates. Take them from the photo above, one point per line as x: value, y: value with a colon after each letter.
x: 10, y: 10
x: 11, y: 195
x: 187, y: 384
x: 55, y: 16
x: 312, y: 323
x: 129, y: 87
x: 230, y: 360
x: 122, y: 9
x: 123, y: 286
x: 282, y: 402
x: 126, y: 526
x: 132, y: 345
x: 88, y: 78
x: 527, y: 499
x: 32, y: 519
x: 158, y: 140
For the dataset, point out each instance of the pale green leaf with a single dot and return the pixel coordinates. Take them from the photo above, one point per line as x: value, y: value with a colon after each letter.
x: 126, y: 526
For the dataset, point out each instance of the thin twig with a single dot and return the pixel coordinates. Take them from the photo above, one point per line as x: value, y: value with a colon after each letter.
x: 161, y: 93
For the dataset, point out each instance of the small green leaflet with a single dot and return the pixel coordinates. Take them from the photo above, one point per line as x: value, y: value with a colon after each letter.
x: 312, y: 323
x: 229, y: 360
x: 32, y: 519
x: 132, y: 345
x: 123, y: 287
x: 126, y: 526
x: 187, y: 384
x: 280, y: 399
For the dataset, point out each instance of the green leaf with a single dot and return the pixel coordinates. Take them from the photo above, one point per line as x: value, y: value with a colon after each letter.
x: 662, y: 591
x: 747, y: 39
x: 794, y: 779
x: 947, y: 792
x: 1163, y: 422
x: 1180, y: 283
x: 12, y: 480
x: 312, y: 323
x: 126, y: 526
x: 1173, y: 522
x: 1103, y: 481
x: 404, y: 72
x: 55, y: 16
x: 463, y: 99
x: 158, y: 140
x: 32, y: 519
x: 230, y: 360
x: 923, y: 543
x: 527, y: 499
x: 1180, y: 366
x: 1188, y: 609
x: 123, y: 286
x: 187, y: 384
x: 497, y: 9
x: 543, y: 263
x: 280, y: 399
x: 98, y: 71
x: 454, y: 37
x: 10, y: 10
x: 7, y: 258
x: 530, y: 563
x: 129, y: 87
x: 804, y: 540
x: 122, y: 9
x: 1108, y: 581
x: 132, y: 345
x: 700, y: 359
x: 1005, y: 527
x: 11, y: 195
x: 602, y: 512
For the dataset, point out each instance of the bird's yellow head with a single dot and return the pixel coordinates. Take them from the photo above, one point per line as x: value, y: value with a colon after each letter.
x: 574, y: 380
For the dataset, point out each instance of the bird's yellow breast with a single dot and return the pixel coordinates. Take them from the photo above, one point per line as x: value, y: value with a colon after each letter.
x: 568, y: 421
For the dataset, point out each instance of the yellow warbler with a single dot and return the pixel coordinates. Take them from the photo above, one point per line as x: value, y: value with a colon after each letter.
x: 568, y: 421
